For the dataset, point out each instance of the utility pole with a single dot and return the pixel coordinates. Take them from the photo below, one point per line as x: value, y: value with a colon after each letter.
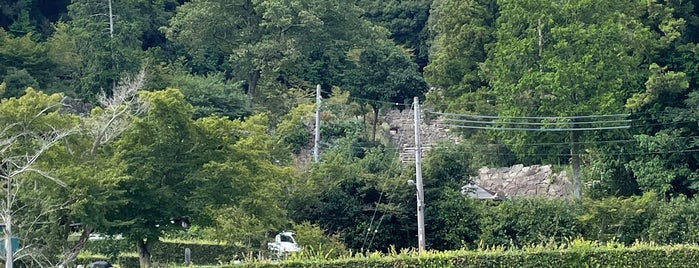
x: 418, y: 180
x: 317, y: 130
x: 575, y: 162
x: 111, y: 21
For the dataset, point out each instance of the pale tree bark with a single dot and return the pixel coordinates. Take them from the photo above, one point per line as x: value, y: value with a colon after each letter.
x: 118, y: 112
x: 20, y: 148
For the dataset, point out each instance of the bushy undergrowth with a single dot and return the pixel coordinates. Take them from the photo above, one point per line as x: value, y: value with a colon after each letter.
x: 574, y: 253
x: 538, y: 226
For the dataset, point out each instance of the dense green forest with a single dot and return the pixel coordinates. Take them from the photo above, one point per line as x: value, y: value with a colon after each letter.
x: 129, y: 117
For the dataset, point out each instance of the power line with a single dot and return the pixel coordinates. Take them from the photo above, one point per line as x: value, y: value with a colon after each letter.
x: 538, y: 129
x: 688, y: 150
x: 538, y: 123
x: 532, y: 117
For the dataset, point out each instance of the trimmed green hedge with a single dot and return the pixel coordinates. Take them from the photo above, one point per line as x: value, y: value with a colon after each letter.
x: 164, y: 252
x: 122, y: 261
x: 169, y: 252
x: 671, y: 256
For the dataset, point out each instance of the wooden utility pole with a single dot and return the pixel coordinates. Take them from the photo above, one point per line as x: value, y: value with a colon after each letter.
x: 317, y: 129
x: 575, y: 163
x: 418, y: 180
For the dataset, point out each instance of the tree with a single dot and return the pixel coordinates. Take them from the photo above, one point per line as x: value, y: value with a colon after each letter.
x: 105, y: 124
x: 271, y: 45
x: 256, y: 36
x: 247, y: 175
x: 155, y: 156
x: 461, y: 30
x: 363, y: 199
x: 211, y: 94
x: 31, y: 126
x: 450, y: 217
x: 107, y: 35
x: 566, y: 59
x: 23, y: 63
x: 406, y: 21
x: 383, y: 73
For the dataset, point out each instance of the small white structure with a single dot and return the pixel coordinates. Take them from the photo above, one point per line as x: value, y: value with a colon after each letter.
x: 284, y: 244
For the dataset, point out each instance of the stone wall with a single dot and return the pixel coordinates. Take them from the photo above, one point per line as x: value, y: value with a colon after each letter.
x: 518, y: 180
x: 402, y: 132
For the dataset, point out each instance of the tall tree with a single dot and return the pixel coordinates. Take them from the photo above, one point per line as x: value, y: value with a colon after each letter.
x: 383, y: 73
x: 461, y: 30
x: 31, y: 126
x: 247, y: 174
x: 406, y: 21
x: 156, y: 155
x: 565, y: 59
x: 108, y: 37
x: 272, y: 44
x: 23, y: 63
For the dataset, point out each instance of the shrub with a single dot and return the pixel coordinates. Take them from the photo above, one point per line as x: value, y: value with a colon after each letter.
x: 619, y: 219
x: 677, y: 221
x: 528, y: 221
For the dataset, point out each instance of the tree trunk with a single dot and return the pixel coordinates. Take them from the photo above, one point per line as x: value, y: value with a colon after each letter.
x: 8, y: 236
x: 143, y: 247
x: 253, y: 78
x: 376, y: 121
x: 70, y: 255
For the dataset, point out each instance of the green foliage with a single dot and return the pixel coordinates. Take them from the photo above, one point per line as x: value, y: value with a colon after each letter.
x: 461, y: 30
x: 361, y: 199
x: 202, y: 253
x: 162, y: 252
x: 295, y: 127
x: 639, y: 256
x: 107, y: 52
x: 271, y: 45
x: 521, y: 222
x: 316, y: 243
x: 625, y: 220
x: 382, y: 72
x: 448, y: 166
x: 23, y: 62
x: 662, y: 171
x: 661, y: 81
x: 211, y: 94
x: 453, y: 221
x: 676, y: 222
x: 17, y: 81
x: 406, y: 22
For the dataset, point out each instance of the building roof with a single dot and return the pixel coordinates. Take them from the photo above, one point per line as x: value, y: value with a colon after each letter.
x: 475, y: 191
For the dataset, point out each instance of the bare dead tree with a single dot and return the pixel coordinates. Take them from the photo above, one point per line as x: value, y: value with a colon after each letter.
x: 24, y: 141
x: 103, y: 127
x: 21, y: 145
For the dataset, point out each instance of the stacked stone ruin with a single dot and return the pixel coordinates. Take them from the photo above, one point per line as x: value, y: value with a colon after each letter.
x: 402, y: 132
x: 520, y: 180
x: 515, y: 181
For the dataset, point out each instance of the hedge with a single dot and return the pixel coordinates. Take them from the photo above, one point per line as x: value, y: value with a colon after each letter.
x: 122, y: 261
x: 170, y: 252
x: 163, y: 252
x: 669, y: 256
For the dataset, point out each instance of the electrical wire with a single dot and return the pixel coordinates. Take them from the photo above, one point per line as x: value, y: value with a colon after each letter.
x: 687, y: 150
x: 538, y: 129
x: 532, y: 117
x: 537, y: 123
x: 397, y: 155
